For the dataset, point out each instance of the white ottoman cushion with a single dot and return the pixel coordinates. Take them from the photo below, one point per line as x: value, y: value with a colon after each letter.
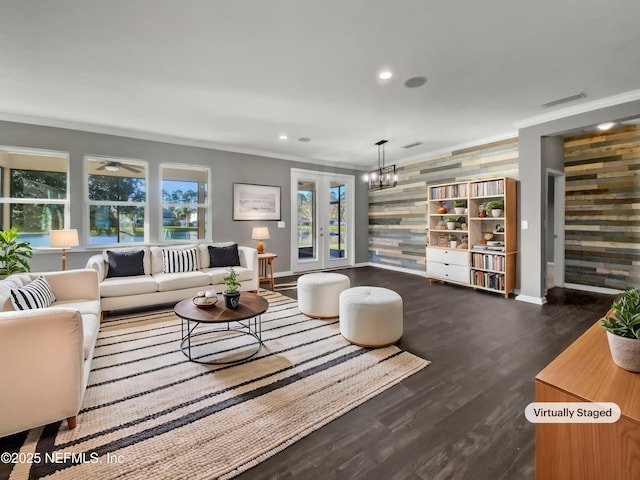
x: 371, y: 316
x: 319, y: 294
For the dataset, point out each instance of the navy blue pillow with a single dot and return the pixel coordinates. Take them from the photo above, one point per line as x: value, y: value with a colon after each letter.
x: 125, y: 264
x: 224, y: 256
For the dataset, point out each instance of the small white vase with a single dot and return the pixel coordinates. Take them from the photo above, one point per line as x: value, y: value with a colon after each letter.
x: 496, y: 212
x: 459, y: 210
x: 625, y: 352
x: 451, y: 225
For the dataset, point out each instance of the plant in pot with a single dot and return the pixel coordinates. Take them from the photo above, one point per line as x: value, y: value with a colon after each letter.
x: 231, y: 294
x: 495, y: 207
x: 14, y: 254
x: 622, y: 323
x: 459, y: 206
x: 451, y: 223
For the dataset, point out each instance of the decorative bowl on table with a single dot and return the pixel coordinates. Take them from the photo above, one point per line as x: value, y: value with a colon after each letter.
x: 205, y: 299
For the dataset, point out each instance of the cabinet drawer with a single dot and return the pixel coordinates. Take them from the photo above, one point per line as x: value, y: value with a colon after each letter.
x: 455, y: 273
x: 452, y: 257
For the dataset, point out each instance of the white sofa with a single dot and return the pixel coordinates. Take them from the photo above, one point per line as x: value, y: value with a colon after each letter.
x: 46, y: 353
x: 156, y: 287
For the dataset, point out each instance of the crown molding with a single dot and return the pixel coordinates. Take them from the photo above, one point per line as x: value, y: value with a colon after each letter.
x: 163, y: 138
x: 626, y: 97
x: 460, y: 146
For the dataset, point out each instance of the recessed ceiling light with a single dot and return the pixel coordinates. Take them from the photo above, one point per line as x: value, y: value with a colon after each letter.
x: 386, y: 75
x: 304, y: 139
x: 283, y: 137
x: 606, y: 126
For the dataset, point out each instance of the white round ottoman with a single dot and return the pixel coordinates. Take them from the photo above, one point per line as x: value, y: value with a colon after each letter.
x: 319, y: 294
x: 371, y: 316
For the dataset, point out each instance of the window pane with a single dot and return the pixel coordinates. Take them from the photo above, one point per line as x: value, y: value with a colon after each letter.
x: 184, y: 223
x: 117, y: 180
x: 184, y: 197
x: 116, y: 224
x: 34, y: 175
x: 184, y: 185
x: 38, y: 184
x: 33, y: 221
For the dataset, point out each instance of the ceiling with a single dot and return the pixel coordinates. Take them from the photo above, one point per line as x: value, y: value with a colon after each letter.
x: 236, y: 75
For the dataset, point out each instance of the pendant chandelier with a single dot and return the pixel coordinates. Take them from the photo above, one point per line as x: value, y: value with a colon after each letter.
x: 383, y: 177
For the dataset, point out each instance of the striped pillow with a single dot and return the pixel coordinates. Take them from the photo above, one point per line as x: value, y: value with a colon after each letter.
x: 176, y: 261
x: 36, y: 294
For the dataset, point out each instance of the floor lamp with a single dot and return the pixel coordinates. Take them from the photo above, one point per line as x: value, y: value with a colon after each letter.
x: 63, y: 239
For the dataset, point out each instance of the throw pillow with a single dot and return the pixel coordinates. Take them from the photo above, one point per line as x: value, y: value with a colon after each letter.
x: 126, y: 263
x: 176, y: 261
x: 36, y: 294
x: 224, y: 256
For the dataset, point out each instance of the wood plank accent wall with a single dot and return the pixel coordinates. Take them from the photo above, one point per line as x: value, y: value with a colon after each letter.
x: 398, y: 216
x: 602, y: 208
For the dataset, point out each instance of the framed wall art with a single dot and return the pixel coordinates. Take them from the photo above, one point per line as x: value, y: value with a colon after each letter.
x: 256, y: 202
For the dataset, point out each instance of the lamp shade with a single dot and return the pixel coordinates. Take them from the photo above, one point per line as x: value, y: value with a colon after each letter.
x: 260, y: 233
x: 63, y: 238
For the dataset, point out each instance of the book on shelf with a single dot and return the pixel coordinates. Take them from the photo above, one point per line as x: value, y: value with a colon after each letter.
x: 488, y: 188
x: 449, y: 191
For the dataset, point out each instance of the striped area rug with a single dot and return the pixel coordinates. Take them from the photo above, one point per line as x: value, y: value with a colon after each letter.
x: 150, y: 413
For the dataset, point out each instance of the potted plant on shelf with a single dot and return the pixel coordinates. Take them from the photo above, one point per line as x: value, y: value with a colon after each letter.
x: 451, y: 223
x: 496, y: 207
x: 459, y: 206
x: 14, y: 254
x: 232, y: 293
x: 622, y: 323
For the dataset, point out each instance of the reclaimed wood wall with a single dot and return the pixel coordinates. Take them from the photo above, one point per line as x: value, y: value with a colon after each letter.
x: 398, y: 216
x: 602, y: 208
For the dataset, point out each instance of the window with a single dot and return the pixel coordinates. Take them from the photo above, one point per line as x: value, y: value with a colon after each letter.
x: 184, y: 202
x: 117, y: 193
x: 33, y: 193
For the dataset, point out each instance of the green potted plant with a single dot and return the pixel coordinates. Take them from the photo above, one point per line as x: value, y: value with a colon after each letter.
x: 451, y: 223
x: 622, y: 323
x: 459, y: 206
x: 231, y: 294
x: 495, y: 207
x: 14, y: 254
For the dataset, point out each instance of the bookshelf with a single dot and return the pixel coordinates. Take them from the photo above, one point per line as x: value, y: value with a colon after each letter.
x: 479, y: 248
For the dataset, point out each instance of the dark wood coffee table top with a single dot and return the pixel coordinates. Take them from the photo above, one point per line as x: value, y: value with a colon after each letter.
x: 251, y: 305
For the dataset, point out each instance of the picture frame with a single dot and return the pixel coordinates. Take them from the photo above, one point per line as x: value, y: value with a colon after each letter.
x: 443, y: 240
x: 256, y: 202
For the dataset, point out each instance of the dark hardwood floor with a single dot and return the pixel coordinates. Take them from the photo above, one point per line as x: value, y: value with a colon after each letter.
x: 462, y: 416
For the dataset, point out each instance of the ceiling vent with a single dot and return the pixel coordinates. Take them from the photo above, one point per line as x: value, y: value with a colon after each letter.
x: 411, y: 145
x: 570, y: 98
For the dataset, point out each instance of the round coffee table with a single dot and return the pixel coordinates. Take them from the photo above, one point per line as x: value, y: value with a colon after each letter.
x: 246, y: 320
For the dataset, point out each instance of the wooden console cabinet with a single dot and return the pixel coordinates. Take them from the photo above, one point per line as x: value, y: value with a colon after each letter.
x: 585, y: 372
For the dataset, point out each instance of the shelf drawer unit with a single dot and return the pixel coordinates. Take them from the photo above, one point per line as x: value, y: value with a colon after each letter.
x: 448, y: 265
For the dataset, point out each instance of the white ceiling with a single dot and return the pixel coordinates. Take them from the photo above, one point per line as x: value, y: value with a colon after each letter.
x: 236, y: 74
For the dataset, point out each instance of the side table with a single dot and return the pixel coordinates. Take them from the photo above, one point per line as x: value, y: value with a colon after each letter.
x: 265, y: 267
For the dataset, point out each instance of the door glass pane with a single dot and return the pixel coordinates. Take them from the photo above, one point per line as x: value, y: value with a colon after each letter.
x: 306, y: 220
x: 337, y: 220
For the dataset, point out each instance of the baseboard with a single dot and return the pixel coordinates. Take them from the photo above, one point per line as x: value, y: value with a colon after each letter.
x: 283, y: 274
x: 398, y: 269
x: 590, y: 288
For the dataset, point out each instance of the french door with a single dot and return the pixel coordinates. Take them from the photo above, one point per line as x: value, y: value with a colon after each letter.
x: 322, y: 218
